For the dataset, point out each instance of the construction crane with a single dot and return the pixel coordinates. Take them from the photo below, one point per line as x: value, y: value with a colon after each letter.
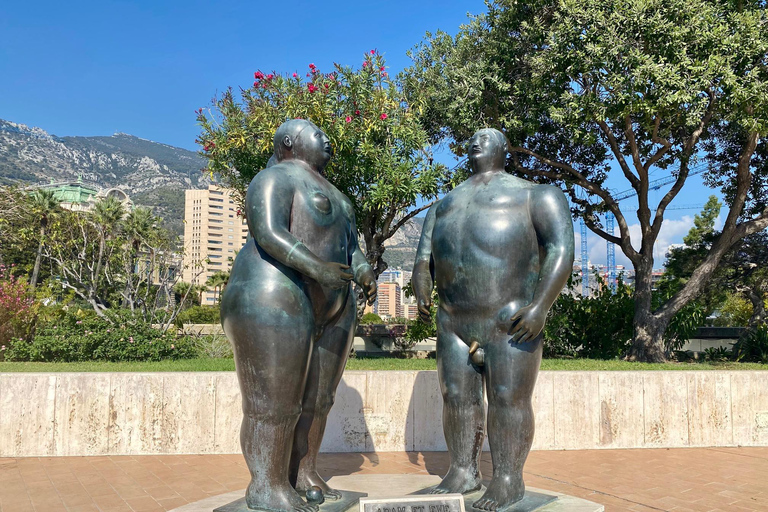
x: 609, y: 227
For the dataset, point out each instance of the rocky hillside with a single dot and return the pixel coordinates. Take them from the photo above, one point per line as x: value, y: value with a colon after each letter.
x: 401, y: 248
x: 153, y: 174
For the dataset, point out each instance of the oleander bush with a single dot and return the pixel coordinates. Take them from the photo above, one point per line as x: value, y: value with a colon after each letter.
x: 18, y: 311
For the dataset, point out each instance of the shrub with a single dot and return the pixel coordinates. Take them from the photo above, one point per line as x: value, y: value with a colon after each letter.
x: 215, y: 346
x: 85, y: 337
x: 17, y: 309
x: 597, y: 327
x: 199, y: 315
x: 371, y: 318
x: 753, y: 346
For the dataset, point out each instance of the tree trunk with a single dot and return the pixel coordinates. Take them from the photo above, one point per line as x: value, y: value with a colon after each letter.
x: 648, y: 339
x: 38, y: 260
x: 758, y: 308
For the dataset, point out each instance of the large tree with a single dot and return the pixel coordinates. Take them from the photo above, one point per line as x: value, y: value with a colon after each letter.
x: 381, y: 158
x: 634, y: 87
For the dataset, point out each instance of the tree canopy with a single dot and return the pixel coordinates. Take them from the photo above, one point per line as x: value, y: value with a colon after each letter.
x: 632, y: 87
x: 381, y: 156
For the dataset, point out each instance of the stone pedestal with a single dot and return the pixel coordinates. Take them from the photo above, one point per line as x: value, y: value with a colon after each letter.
x: 385, y: 486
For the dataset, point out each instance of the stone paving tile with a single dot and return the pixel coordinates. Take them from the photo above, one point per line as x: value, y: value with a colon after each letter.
x: 696, y: 479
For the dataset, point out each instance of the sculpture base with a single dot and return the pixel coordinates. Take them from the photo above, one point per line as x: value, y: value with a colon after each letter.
x: 348, y: 500
x: 386, y: 486
x: 533, y: 500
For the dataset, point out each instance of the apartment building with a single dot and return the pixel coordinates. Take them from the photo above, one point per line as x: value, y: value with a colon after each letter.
x: 402, y: 278
x: 388, y: 304
x: 213, y: 233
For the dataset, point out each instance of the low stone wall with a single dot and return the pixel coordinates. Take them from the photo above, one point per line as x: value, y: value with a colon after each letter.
x: 174, y: 413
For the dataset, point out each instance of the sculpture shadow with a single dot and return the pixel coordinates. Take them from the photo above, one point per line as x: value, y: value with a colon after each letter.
x: 346, y: 427
x: 429, y: 447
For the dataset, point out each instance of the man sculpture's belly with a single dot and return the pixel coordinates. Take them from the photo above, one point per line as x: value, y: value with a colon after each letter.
x: 486, y: 258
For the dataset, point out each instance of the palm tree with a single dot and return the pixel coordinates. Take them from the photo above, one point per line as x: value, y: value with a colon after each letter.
x: 218, y: 281
x: 138, y: 228
x: 45, y: 208
x: 106, y: 215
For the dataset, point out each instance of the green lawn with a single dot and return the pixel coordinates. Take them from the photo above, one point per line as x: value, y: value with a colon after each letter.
x: 223, y: 365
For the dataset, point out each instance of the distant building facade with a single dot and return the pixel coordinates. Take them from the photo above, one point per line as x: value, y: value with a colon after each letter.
x: 388, y: 301
x: 213, y: 233
x: 82, y: 197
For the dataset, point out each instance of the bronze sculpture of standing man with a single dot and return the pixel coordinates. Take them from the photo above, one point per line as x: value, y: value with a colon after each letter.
x: 290, y: 315
x: 500, y: 250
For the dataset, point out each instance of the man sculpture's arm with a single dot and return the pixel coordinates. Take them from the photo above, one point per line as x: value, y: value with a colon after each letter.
x: 554, y: 230
x: 361, y: 269
x: 423, y: 277
x: 268, y: 204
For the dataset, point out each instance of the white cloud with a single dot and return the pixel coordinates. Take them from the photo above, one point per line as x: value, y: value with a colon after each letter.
x: 672, y: 232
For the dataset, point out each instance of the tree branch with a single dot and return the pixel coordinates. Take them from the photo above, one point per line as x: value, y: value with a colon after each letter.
x: 633, y: 180
x: 406, y: 218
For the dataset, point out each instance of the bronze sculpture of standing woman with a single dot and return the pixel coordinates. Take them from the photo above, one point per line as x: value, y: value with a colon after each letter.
x: 290, y: 315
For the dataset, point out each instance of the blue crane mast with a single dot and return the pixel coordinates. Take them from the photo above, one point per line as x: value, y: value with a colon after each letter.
x: 609, y: 227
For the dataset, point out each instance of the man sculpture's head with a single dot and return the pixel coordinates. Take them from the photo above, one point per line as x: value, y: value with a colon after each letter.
x: 300, y: 139
x: 487, y: 150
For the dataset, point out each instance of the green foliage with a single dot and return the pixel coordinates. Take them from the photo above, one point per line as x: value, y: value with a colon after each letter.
x: 596, y: 327
x: 753, y: 347
x: 717, y: 354
x: 735, y: 311
x: 85, y: 336
x: 371, y: 318
x: 704, y: 223
x: 586, y: 89
x: 381, y: 160
x: 199, y: 315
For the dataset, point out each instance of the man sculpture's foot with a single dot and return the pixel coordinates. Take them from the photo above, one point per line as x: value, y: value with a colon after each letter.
x: 279, y: 499
x: 306, y: 481
x: 458, y: 481
x: 503, y: 491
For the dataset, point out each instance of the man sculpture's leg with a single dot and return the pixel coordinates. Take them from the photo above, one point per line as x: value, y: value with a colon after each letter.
x: 271, y: 406
x: 463, y: 413
x: 329, y: 356
x: 510, y: 372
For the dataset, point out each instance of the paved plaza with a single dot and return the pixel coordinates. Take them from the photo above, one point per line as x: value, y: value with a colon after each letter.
x: 701, y: 479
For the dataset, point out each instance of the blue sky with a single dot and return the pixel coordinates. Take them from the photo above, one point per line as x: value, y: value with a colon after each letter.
x: 144, y: 67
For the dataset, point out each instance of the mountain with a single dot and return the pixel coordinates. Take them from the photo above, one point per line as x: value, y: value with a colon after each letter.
x: 153, y: 174
x: 400, y: 250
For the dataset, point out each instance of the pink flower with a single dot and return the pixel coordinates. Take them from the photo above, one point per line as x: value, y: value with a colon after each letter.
x: 383, y: 116
x: 373, y: 52
x: 312, y: 66
x: 270, y: 76
x: 2, y: 347
x: 365, y: 64
x: 295, y: 75
x: 381, y: 68
x: 311, y: 87
x: 173, y: 346
x: 258, y: 75
x: 79, y: 322
x: 348, y: 119
x: 357, y: 112
x: 130, y: 339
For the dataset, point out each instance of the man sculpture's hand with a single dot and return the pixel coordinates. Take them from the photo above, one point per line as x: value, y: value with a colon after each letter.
x: 527, y: 323
x: 424, y: 305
